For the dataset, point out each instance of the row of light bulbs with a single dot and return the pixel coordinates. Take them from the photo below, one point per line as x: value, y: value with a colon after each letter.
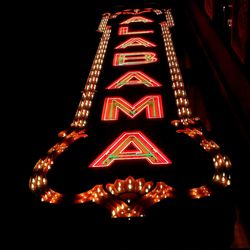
x: 222, y: 163
x: 200, y: 192
x: 125, y: 207
x: 157, y: 11
x: 38, y: 181
x: 182, y: 103
x: 129, y: 185
x: 82, y: 112
x: 169, y: 18
x: 103, y: 23
x: 222, y: 179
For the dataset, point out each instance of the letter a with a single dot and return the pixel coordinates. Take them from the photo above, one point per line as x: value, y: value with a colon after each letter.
x: 134, y: 78
x: 120, y: 149
x: 137, y: 19
x: 135, y: 41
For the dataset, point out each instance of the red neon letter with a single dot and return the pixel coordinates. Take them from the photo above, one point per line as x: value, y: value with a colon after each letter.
x: 112, y: 106
x: 134, y: 58
x: 143, y: 149
x: 136, y: 11
x: 133, y: 78
x: 125, y: 31
x: 135, y: 41
x: 137, y: 19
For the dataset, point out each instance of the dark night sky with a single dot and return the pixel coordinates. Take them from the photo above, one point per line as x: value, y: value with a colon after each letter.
x: 52, y: 48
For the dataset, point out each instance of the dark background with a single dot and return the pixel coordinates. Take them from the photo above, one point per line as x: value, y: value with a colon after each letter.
x: 54, y: 45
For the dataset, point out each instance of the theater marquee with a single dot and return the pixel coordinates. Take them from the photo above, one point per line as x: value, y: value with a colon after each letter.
x: 133, y: 140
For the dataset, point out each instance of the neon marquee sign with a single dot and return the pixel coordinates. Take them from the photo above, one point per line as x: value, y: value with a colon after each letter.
x: 143, y: 145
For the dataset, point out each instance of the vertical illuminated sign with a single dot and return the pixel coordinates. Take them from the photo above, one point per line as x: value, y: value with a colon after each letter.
x: 136, y: 83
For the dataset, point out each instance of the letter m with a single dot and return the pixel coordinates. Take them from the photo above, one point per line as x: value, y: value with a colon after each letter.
x: 113, y: 105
